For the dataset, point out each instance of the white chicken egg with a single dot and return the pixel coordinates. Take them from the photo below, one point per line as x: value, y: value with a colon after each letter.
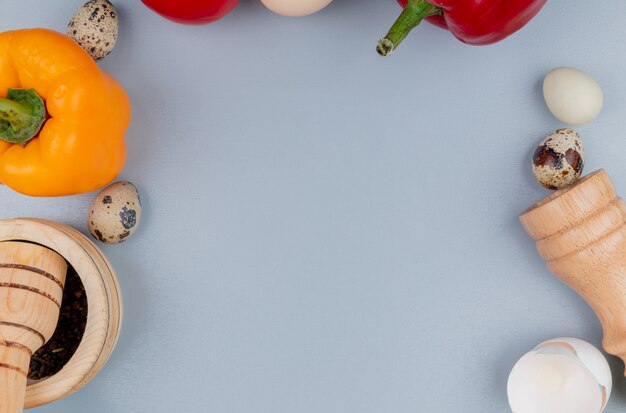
x: 562, y: 375
x: 296, y: 8
x: 572, y: 95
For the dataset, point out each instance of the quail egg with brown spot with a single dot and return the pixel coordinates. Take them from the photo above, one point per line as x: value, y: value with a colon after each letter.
x: 114, y: 213
x: 94, y: 27
x: 559, y: 159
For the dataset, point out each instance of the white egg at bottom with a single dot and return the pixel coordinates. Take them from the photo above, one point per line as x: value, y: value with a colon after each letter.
x: 562, y: 375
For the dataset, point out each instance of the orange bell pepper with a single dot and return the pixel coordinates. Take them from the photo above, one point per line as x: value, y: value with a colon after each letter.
x: 69, y: 141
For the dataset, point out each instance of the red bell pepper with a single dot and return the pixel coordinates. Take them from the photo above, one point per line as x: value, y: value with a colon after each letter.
x: 192, y: 11
x: 476, y: 22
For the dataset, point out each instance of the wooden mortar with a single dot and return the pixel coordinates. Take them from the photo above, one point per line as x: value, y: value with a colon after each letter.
x: 104, y: 302
x: 580, y: 232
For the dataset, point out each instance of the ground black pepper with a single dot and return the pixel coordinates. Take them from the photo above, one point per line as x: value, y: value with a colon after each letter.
x: 53, y: 355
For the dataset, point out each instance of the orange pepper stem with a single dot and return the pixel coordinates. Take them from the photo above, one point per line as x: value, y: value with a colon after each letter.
x: 414, y: 12
x: 22, y: 114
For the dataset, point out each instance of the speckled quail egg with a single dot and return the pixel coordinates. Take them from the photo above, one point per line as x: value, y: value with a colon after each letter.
x: 562, y: 375
x: 559, y: 159
x: 94, y: 27
x: 572, y: 95
x: 114, y: 213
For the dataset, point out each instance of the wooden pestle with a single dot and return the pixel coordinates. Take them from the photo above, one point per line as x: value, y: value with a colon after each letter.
x: 31, y: 289
x: 580, y: 232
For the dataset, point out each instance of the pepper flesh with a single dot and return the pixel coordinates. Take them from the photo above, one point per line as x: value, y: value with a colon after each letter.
x: 192, y: 11
x: 475, y: 22
x: 80, y: 147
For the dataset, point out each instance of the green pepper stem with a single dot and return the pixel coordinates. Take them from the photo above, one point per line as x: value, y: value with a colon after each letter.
x: 412, y: 15
x: 22, y: 113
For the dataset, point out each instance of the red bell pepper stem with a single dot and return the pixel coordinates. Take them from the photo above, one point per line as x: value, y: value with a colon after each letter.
x: 414, y: 12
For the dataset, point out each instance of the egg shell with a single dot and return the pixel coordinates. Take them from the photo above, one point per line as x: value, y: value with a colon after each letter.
x: 295, y: 8
x: 95, y: 27
x: 590, y: 357
x: 559, y: 159
x: 115, y: 213
x: 562, y: 375
x: 572, y: 95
